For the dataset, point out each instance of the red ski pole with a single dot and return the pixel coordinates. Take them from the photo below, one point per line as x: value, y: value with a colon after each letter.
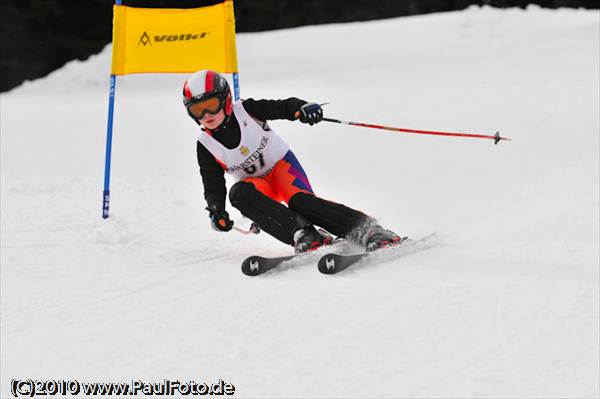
x: 495, y: 137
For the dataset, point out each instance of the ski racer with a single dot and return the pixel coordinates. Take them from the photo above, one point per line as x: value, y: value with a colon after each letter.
x: 235, y: 138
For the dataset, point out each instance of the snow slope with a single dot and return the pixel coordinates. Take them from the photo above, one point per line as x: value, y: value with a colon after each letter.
x: 508, y: 306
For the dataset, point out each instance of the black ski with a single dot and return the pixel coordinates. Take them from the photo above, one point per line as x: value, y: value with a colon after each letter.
x: 255, y: 265
x: 333, y: 263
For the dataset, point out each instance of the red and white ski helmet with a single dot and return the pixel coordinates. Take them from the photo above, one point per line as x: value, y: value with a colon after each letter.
x: 206, y: 84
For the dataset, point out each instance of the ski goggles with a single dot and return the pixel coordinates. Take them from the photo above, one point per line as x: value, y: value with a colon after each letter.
x: 210, y: 105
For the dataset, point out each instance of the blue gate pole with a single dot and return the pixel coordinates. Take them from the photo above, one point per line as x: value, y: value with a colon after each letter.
x: 236, y: 86
x: 109, y: 129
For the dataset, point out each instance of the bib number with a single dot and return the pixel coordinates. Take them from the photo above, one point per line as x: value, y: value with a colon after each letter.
x: 252, y: 168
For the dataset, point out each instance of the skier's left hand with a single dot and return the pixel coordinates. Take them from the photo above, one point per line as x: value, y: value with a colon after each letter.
x: 310, y: 113
x: 219, y: 219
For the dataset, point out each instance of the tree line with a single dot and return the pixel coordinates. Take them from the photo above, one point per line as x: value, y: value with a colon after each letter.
x: 39, y: 36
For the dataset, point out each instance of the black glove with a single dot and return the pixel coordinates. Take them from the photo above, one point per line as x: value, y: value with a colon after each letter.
x: 310, y: 113
x: 219, y: 219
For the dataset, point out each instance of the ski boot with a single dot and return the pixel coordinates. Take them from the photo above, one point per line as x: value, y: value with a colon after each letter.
x: 378, y: 238
x: 308, y: 239
x: 373, y: 237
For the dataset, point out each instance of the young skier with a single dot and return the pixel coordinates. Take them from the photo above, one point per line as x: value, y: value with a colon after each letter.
x: 236, y: 139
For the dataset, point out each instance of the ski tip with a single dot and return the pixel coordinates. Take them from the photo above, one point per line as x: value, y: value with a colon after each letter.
x: 251, y: 266
x: 327, y: 264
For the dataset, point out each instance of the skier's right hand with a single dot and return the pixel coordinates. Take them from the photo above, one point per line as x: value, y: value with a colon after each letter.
x: 219, y: 219
x: 310, y: 113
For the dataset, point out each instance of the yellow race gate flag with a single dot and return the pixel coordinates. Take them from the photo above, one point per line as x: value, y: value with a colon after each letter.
x: 147, y: 40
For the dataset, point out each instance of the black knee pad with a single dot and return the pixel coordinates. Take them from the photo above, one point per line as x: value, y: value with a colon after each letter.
x: 239, y: 192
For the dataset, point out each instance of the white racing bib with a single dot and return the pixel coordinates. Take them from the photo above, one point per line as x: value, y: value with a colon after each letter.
x: 259, y: 150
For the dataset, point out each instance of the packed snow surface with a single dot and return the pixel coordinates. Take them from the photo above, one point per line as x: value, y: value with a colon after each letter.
x: 506, y: 306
